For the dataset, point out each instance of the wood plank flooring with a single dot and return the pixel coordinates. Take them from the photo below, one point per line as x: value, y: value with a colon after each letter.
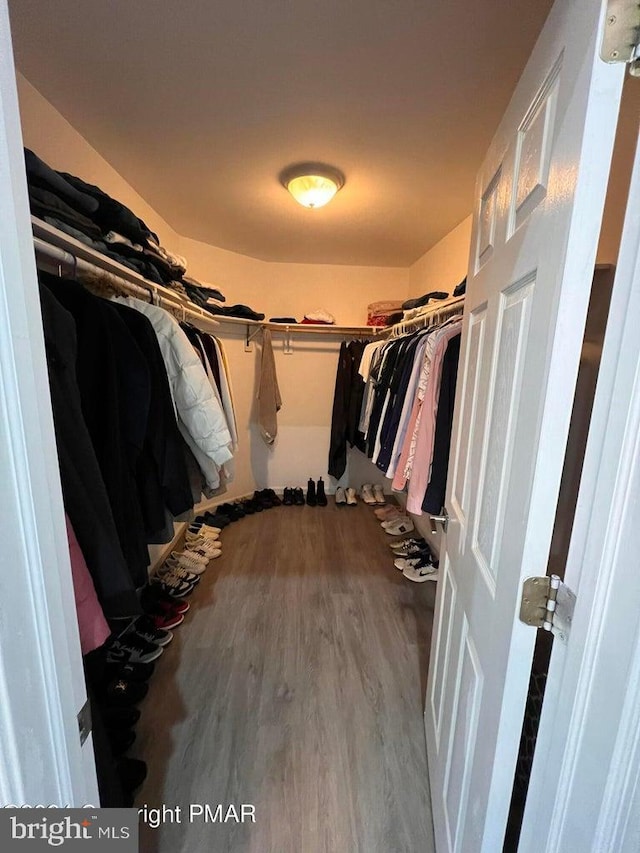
x: 295, y: 684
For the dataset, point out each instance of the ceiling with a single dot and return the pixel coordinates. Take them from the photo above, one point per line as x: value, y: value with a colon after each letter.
x: 199, y: 105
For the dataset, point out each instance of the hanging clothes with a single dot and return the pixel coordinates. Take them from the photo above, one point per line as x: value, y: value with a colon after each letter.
x: 85, y: 496
x: 200, y: 418
x: 93, y: 627
x: 347, y: 404
x: 269, y: 399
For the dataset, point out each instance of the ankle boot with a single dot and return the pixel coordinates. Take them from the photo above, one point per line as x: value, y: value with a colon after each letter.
x: 311, y: 493
x: 321, y: 498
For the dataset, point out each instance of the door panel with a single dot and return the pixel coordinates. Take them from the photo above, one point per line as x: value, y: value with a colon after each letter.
x: 539, y: 200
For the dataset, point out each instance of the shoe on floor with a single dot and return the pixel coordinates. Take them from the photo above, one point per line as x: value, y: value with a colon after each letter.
x: 122, y: 693
x: 132, y: 649
x: 387, y: 513
x: 352, y: 500
x: 298, y: 497
x: 153, y: 598
x: 172, y: 586
x: 287, y: 497
x: 408, y: 547
x: 311, y: 493
x: 379, y: 495
x: 178, y: 568
x: 366, y: 493
x: 132, y: 772
x: 419, y: 561
x: 321, y: 498
x: 420, y: 575
x: 398, y: 527
x: 203, y: 547
x: 189, y: 559
x: 196, y: 531
x: 121, y: 740
x: 129, y: 672
x: 340, y: 497
x: 144, y: 627
x: 120, y: 718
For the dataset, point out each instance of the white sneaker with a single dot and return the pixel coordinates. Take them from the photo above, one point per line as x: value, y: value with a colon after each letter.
x: 171, y: 569
x: 195, y: 531
x: 341, y: 497
x: 417, y: 575
x: 195, y: 563
x: 398, y: 527
x: 205, y: 548
x: 367, y: 494
x: 402, y: 563
x: 379, y: 495
x: 351, y: 497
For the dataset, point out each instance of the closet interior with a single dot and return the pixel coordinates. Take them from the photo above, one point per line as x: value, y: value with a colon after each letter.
x: 254, y: 456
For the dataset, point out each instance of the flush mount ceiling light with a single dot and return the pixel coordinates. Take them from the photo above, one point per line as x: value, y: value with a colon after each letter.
x: 312, y: 184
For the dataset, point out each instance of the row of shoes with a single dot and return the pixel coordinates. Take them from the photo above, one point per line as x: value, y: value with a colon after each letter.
x: 415, y: 559
x: 372, y: 495
x: 129, y: 659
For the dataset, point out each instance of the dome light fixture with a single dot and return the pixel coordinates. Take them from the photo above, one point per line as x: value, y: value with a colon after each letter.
x: 312, y: 184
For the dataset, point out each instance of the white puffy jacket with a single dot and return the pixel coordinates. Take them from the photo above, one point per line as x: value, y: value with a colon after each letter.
x: 201, y: 419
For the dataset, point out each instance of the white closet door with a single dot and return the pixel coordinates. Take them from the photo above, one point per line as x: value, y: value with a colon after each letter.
x: 584, y: 792
x: 538, y: 207
x: 41, y: 677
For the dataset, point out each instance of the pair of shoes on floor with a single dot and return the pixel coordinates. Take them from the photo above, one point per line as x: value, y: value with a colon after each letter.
x: 132, y: 649
x: 199, y: 528
x: 398, y: 526
x: 293, y: 497
x: 132, y: 772
x: 388, y: 512
x: 415, y: 559
x: 346, y: 497
x: 201, y: 548
x: 153, y: 600
x: 213, y: 519
x: 266, y: 499
x: 315, y: 493
x: 372, y: 495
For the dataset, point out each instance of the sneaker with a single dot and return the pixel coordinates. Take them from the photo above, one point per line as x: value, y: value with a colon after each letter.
x: 420, y: 561
x: 352, y: 500
x: 298, y: 497
x: 366, y: 492
x: 129, y: 671
x: 409, y: 547
x: 166, y: 621
x: 250, y: 507
x: 204, y: 546
x: 173, y: 568
x: 120, y: 718
x: 420, y: 575
x: 122, y: 693
x: 132, y: 649
x: 197, y: 530
x: 287, y: 497
x: 379, y: 495
x: 172, y: 586
x: 195, y: 563
x: 341, y: 498
x: 398, y: 527
x: 145, y: 628
x: 387, y: 512
x: 152, y: 598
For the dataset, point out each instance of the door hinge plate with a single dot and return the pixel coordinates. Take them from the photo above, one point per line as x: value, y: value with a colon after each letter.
x: 84, y: 722
x: 621, y: 37
x: 548, y: 603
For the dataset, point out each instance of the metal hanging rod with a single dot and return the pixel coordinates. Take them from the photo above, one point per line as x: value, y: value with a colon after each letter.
x: 56, y: 250
x: 429, y: 317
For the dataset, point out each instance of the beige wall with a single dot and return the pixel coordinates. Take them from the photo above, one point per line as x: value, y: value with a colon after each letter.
x: 445, y: 265
x: 54, y: 140
x: 307, y: 376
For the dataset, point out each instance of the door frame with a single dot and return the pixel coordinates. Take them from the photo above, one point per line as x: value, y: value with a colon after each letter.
x: 41, y: 675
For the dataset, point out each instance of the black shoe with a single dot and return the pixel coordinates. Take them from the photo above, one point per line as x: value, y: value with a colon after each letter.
x: 214, y: 519
x: 122, y: 693
x: 287, y: 497
x: 271, y: 495
x: 145, y: 628
x: 321, y: 498
x: 132, y: 649
x: 263, y: 499
x: 298, y: 497
x: 249, y: 507
x: 311, y: 493
x: 231, y: 511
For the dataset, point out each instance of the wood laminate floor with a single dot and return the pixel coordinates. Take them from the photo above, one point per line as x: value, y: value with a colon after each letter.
x: 295, y: 684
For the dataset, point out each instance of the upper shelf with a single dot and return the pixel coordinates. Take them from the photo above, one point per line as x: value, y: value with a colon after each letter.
x: 303, y: 328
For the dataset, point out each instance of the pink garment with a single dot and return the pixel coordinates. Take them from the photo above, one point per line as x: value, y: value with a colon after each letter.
x: 423, y: 459
x: 94, y: 629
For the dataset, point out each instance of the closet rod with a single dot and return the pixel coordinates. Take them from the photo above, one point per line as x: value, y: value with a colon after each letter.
x: 434, y: 315
x: 54, y: 257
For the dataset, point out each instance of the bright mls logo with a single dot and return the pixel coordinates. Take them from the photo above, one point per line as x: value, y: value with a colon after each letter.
x: 29, y: 830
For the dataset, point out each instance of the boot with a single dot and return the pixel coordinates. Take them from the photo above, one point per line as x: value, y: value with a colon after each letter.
x: 311, y: 493
x: 320, y: 495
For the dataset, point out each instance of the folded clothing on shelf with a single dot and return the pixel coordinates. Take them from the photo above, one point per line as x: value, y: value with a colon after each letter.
x: 419, y: 301
x: 242, y: 312
x: 286, y: 320
x: 319, y: 317
x: 461, y: 288
x: 380, y: 313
